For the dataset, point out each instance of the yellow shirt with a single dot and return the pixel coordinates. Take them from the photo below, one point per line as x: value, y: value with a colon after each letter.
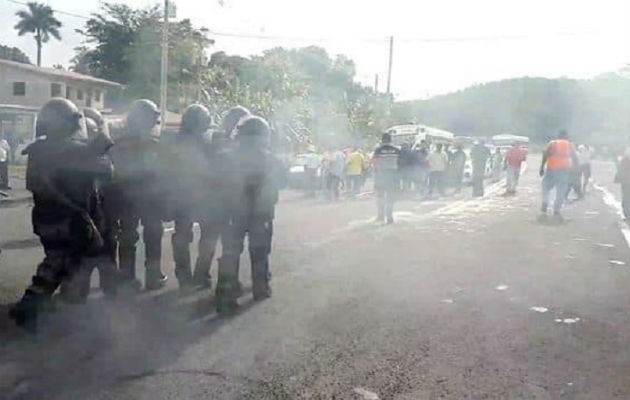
x: 354, y: 163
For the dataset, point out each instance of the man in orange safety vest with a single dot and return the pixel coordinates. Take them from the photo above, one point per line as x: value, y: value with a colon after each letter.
x: 558, y: 158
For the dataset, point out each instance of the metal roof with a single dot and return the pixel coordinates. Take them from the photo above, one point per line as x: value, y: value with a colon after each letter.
x: 59, y: 73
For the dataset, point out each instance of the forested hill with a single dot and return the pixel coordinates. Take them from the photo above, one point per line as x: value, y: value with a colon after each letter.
x: 595, y: 111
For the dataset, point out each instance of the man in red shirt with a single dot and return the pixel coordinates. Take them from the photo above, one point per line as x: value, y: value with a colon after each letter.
x: 514, y: 158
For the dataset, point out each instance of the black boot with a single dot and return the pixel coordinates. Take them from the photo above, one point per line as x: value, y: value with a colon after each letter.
x: 154, y: 280
x: 228, y: 288
x: 24, y: 313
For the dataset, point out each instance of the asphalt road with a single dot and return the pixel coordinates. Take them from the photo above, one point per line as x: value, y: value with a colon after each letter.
x: 460, y: 299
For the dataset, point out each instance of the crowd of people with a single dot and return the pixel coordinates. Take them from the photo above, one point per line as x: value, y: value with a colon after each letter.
x: 91, y: 192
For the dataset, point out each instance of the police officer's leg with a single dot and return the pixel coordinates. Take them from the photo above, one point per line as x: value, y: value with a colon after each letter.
x: 260, y: 232
x: 127, y: 246
x: 227, y: 290
x: 75, y: 288
x: 152, y: 236
x: 58, y: 264
x: 180, y: 240
x: 107, y: 267
x: 210, y: 233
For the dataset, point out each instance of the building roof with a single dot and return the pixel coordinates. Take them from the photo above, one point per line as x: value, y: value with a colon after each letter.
x: 59, y: 73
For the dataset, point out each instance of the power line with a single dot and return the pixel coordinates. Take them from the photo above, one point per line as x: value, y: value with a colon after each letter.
x: 55, y: 10
x: 291, y: 38
x: 383, y: 40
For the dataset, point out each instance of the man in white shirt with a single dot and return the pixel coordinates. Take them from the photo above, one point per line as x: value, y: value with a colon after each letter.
x: 438, y: 161
x: 312, y: 163
x: 4, y: 163
x: 584, y: 160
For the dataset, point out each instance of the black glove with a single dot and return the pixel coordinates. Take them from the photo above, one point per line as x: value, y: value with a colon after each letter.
x: 542, y: 171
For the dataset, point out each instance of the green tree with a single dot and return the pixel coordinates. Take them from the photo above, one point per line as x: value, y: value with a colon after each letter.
x: 309, y: 96
x: 39, y: 20
x: 123, y: 44
x: 13, y: 54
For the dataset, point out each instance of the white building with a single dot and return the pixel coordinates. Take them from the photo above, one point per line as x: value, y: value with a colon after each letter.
x: 24, y: 88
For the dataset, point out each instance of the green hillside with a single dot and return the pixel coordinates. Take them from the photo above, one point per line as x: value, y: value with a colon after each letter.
x: 595, y: 111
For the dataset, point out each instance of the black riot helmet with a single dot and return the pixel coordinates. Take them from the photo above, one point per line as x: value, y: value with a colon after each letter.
x: 94, y: 115
x: 58, y: 118
x: 232, y: 118
x: 196, y: 120
x: 91, y: 128
x: 253, y: 131
x: 95, y: 123
x: 142, y: 118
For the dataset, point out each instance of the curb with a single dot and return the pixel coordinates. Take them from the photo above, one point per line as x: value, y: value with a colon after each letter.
x: 9, y: 201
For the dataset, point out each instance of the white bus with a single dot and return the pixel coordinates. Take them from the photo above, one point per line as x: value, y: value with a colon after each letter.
x: 413, y: 134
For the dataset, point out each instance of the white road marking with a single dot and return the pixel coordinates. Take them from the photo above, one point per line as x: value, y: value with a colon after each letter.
x: 615, y: 204
x: 366, y: 394
x: 605, y: 245
x: 539, y: 309
x: 616, y: 262
x: 447, y: 301
x: 172, y: 228
x: 568, y: 321
x: 502, y: 288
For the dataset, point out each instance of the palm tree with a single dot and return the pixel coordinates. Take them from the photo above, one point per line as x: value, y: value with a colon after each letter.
x: 39, y: 20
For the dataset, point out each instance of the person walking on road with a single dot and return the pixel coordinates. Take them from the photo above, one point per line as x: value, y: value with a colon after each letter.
x: 438, y: 162
x: 422, y: 153
x: 140, y: 192
x: 497, y: 165
x: 514, y: 159
x: 584, y: 158
x: 558, y: 159
x: 623, y: 178
x: 354, y: 171
x: 61, y: 173
x: 312, y: 164
x: 407, y: 158
x: 5, y: 156
x: 336, y: 164
x: 458, y: 162
x: 479, y: 156
x: 256, y: 177
x: 386, y: 177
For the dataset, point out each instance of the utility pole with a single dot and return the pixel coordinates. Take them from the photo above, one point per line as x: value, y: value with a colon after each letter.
x: 376, y: 83
x: 164, y: 70
x: 389, y: 70
x: 389, y: 77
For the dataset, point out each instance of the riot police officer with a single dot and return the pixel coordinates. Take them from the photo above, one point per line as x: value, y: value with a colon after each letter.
x: 256, y: 178
x: 139, y: 190
x: 100, y: 209
x: 191, y: 197
x: 231, y: 120
x: 61, y: 174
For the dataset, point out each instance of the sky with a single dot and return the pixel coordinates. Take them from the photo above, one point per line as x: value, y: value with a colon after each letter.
x: 439, y: 46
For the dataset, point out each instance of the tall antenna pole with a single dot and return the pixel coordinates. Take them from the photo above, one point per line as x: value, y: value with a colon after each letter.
x: 164, y: 70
